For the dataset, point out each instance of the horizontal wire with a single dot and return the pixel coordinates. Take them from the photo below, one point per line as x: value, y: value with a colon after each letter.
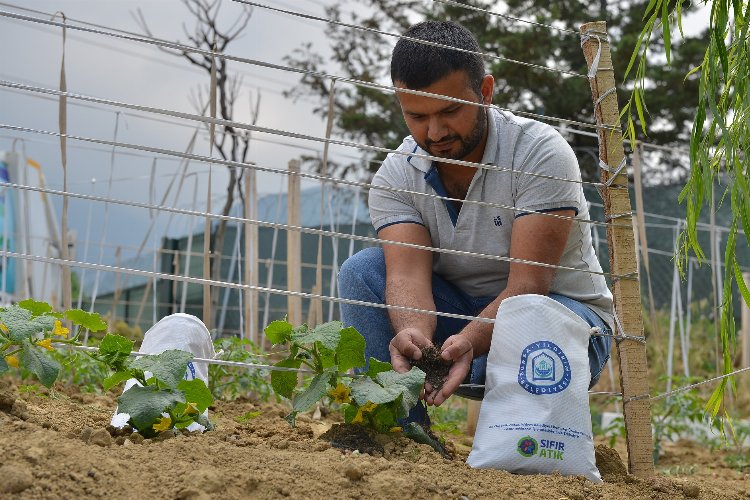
x: 255, y: 128
x: 698, y: 384
x: 237, y: 286
x: 506, y: 16
x: 243, y: 60
x: 332, y: 180
x: 411, y: 39
x: 306, y: 230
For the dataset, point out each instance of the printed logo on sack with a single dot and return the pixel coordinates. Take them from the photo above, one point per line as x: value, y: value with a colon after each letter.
x: 544, y: 368
x: 527, y: 446
x: 190, y: 372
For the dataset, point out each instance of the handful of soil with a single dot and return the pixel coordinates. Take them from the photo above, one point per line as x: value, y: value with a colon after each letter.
x: 434, y: 366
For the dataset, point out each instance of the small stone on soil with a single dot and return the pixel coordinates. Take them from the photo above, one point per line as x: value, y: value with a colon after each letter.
x: 19, y: 409
x: 86, y: 434
x: 691, y: 490
x: 101, y: 438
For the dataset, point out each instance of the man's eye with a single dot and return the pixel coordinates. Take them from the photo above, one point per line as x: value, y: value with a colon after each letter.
x: 450, y: 111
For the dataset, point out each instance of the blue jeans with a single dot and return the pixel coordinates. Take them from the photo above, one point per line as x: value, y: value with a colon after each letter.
x: 362, y: 277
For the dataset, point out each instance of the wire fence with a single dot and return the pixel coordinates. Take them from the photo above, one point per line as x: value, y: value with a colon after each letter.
x: 166, y: 272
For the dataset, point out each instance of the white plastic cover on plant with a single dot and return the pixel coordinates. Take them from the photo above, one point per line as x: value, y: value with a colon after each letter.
x: 176, y: 331
x: 535, y: 416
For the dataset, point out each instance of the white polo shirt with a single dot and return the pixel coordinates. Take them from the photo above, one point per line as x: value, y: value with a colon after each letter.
x: 522, y: 146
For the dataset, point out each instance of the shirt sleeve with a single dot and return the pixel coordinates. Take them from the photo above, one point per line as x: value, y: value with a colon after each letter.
x: 556, y: 184
x: 388, y: 207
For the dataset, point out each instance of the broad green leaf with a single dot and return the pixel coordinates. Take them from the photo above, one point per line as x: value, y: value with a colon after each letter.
x: 196, y: 392
x: 168, y: 367
x: 115, y: 379
x: 37, y: 361
x: 283, y: 383
x: 316, y: 391
x: 328, y: 334
x: 410, y: 382
x: 3, y: 365
x: 146, y: 404
x: 114, y: 350
x: 376, y: 366
x: 350, y: 352
x: 91, y: 321
x: 278, y: 332
x: 36, y: 308
x: 384, y: 418
x: 22, y: 324
x: 350, y: 411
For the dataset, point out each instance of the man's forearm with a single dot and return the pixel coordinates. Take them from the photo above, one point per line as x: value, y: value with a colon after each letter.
x: 404, y: 293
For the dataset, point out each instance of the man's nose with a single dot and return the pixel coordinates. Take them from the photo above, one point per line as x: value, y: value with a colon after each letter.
x: 436, y: 129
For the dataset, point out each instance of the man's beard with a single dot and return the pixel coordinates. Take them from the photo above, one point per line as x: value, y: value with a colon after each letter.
x: 467, y: 143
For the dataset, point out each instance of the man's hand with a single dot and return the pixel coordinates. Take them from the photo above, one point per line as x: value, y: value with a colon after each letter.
x: 405, y: 346
x: 459, y: 350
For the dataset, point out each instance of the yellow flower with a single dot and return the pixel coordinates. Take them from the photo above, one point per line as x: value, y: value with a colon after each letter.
x: 340, y: 394
x: 164, y: 423
x: 4, y: 328
x: 12, y: 361
x: 46, y: 343
x: 362, y: 410
x: 60, y: 330
x: 191, y: 409
x: 396, y: 429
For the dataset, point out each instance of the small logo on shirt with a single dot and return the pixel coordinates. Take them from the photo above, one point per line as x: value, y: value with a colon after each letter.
x: 498, y: 221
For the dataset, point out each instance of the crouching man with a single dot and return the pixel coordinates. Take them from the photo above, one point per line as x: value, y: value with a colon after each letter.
x: 521, y: 200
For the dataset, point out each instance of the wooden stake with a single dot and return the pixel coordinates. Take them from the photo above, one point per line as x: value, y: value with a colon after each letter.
x: 745, y: 328
x: 251, y: 257
x: 622, y: 256
x: 293, y: 247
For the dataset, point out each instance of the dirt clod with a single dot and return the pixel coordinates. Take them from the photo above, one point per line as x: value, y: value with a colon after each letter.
x: 354, y: 473
x: 86, y: 434
x: 101, y: 437
x: 16, y: 478
x: 691, y: 490
x: 34, y: 455
x: 19, y: 409
x: 136, y: 438
x: 435, y: 367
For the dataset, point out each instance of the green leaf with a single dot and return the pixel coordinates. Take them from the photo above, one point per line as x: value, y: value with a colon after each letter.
x: 350, y: 352
x: 3, y: 365
x: 410, y: 382
x: 91, y: 321
x: 22, y: 324
x: 350, y: 411
x: 114, y: 350
x: 115, y: 379
x: 36, y: 308
x: 168, y: 367
x: 384, y: 418
x: 278, y: 332
x: 376, y: 366
x: 37, y: 361
x: 665, y: 30
x: 283, y: 383
x: 416, y: 432
x: 328, y: 334
x: 197, y: 393
x: 146, y: 404
x: 316, y: 391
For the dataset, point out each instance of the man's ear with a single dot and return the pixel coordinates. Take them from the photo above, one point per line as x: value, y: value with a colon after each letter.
x: 488, y: 89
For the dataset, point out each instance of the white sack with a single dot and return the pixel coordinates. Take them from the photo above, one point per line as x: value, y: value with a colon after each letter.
x: 176, y: 331
x: 535, y: 417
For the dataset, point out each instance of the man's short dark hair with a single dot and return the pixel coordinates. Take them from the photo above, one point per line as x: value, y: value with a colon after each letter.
x: 419, y: 65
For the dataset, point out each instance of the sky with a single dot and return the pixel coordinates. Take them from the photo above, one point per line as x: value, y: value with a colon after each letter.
x: 132, y: 72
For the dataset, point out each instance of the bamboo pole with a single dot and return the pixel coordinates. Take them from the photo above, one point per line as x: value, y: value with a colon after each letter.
x: 293, y: 246
x: 251, y: 256
x: 622, y: 255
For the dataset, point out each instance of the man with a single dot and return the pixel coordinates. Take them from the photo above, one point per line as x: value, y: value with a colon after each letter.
x: 532, y: 172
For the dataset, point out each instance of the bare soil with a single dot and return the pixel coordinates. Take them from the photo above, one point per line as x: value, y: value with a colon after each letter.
x: 58, y: 446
